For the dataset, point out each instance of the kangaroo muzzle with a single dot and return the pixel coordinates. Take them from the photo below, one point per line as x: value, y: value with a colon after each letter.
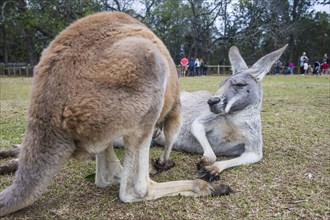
x: 212, y: 101
x: 217, y: 104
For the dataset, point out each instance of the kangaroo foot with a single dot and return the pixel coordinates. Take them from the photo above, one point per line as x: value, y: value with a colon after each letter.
x: 208, y: 173
x: 221, y: 189
x: 9, y: 153
x: 158, y: 167
x: 9, y: 168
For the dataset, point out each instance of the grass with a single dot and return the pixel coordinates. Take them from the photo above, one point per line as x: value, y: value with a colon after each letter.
x: 296, y: 130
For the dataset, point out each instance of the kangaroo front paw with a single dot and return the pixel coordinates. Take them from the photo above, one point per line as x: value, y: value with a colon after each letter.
x: 203, y: 163
x: 208, y: 173
x: 161, y: 167
x: 207, y: 160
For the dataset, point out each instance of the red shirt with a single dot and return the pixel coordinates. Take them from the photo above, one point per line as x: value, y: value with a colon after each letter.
x: 324, y: 66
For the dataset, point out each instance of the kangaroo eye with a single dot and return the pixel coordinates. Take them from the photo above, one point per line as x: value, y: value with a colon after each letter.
x: 240, y: 84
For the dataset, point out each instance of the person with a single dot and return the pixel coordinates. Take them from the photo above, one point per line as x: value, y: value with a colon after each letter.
x: 278, y: 65
x: 325, y: 58
x: 305, y: 68
x: 184, y: 66
x: 303, y: 59
x: 324, y: 67
x: 203, y: 67
x: 287, y: 69
x: 291, y: 66
x: 316, y: 68
x: 191, y: 67
x: 197, y: 67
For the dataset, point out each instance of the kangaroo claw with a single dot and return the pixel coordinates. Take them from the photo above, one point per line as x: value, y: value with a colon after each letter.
x: 221, y: 189
x: 162, y: 167
x: 207, y: 173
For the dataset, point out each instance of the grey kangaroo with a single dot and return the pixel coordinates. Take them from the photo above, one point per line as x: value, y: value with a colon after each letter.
x: 227, y: 123
x: 105, y: 76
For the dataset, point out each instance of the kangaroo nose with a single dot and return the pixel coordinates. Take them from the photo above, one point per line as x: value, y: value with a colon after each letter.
x: 213, y: 101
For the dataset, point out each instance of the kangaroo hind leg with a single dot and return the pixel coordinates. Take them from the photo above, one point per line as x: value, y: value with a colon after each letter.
x: 108, y: 168
x: 171, y: 127
x: 135, y: 178
x: 40, y: 158
x: 137, y: 186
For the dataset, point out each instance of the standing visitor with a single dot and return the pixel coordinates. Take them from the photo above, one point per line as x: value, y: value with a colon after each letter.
x: 291, y: 66
x: 278, y: 65
x: 305, y: 68
x: 203, y: 67
x: 303, y: 59
x: 324, y: 67
x: 325, y: 58
x: 197, y: 65
x: 191, y: 67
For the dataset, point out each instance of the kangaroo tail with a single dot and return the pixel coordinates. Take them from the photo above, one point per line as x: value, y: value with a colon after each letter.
x: 43, y: 153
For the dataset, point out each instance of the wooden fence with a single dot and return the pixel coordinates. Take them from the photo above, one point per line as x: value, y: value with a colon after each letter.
x: 23, y: 69
x: 219, y: 69
x: 211, y: 70
x: 16, y: 69
x: 226, y: 70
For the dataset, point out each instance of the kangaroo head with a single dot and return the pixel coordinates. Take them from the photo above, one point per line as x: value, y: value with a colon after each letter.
x: 243, y: 89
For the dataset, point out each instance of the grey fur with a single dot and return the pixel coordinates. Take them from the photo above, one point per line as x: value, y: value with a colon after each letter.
x: 230, y: 124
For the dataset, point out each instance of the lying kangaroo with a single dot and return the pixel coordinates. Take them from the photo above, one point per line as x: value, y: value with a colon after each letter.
x: 229, y: 122
x: 103, y: 77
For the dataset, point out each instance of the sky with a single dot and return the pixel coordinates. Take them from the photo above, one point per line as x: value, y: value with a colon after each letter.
x: 322, y: 8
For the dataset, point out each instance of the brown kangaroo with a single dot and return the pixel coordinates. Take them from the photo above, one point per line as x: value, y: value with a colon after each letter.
x: 105, y: 76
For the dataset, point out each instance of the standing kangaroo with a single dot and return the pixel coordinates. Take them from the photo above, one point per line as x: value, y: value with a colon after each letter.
x: 105, y: 76
x: 227, y: 123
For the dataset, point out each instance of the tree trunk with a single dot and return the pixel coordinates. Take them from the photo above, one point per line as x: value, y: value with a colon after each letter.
x: 28, y: 39
x: 5, y: 50
x: 291, y: 48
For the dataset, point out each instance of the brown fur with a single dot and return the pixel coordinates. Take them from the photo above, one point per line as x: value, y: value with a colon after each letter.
x: 103, y: 77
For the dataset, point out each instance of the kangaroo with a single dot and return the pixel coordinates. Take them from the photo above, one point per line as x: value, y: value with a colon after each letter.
x: 210, y: 133
x: 227, y: 123
x: 214, y: 134
x: 103, y: 77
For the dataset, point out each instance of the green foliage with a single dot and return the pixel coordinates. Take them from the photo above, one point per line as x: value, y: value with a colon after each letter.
x: 205, y: 29
x: 170, y: 23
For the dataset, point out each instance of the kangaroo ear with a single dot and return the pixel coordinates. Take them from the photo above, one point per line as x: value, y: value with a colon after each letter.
x: 236, y: 60
x: 263, y: 65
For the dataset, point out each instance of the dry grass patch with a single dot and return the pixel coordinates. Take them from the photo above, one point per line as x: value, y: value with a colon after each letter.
x: 291, y: 182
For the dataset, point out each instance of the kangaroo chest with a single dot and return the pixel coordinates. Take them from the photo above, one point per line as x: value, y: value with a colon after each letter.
x: 224, y: 131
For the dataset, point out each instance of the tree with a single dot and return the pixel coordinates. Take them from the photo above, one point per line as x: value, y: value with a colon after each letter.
x: 259, y: 26
x: 201, y: 28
